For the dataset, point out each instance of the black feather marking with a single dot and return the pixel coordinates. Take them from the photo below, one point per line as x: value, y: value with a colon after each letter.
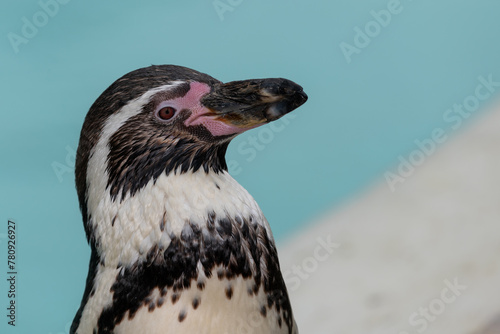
x: 196, y: 303
x: 229, y: 292
x: 182, y: 315
x: 263, y: 311
x: 211, y: 221
x: 220, y: 274
x: 151, y: 307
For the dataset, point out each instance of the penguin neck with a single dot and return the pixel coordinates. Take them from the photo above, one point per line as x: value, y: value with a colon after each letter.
x: 172, y: 206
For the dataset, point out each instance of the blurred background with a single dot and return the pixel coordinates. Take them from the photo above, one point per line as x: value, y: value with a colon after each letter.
x: 382, y: 190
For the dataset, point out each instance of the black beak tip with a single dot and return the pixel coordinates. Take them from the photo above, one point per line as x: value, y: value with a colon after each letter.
x: 294, y: 93
x: 291, y: 96
x: 301, y: 97
x: 296, y: 96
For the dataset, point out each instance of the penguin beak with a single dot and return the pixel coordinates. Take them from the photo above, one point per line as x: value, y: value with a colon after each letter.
x: 247, y: 104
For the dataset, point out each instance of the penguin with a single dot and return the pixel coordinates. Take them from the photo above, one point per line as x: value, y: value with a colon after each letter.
x: 177, y: 245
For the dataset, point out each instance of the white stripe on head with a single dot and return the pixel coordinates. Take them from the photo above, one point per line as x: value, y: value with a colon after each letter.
x: 97, y: 174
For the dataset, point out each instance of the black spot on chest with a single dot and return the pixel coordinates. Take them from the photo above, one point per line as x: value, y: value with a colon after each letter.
x: 182, y: 316
x: 196, y: 303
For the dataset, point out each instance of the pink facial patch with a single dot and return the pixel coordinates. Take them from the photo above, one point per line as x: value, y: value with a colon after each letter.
x: 191, y: 100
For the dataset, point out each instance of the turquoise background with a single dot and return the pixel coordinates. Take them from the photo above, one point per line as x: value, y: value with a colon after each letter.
x: 359, y: 118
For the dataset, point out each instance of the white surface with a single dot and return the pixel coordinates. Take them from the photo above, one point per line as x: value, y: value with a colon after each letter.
x: 396, y: 249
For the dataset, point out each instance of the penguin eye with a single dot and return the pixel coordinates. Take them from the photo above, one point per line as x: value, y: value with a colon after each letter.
x: 166, y: 113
